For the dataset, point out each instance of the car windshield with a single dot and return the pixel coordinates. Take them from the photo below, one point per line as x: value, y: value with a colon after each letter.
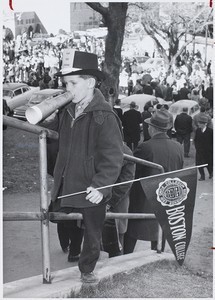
x: 141, y: 59
x: 175, y: 110
x: 36, y: 99
x: 8, y: 93
x: 154, y: 61
x: 125, y: 105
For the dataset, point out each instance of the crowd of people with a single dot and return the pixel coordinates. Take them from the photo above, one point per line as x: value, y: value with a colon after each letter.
x: 35, y: 62
x: 183, y: 128
x: 26, y: 60
x: 189, y: 79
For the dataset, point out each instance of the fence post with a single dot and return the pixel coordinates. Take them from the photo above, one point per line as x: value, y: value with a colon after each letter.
x: 160, y: 239
x: 44, y: 207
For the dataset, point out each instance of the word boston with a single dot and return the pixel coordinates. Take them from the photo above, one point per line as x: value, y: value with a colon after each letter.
x: 172, y: 196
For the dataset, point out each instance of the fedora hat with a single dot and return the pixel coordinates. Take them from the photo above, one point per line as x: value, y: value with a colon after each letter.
x: 80, y: 63
x: 160, y: 119
x: 203, y: 119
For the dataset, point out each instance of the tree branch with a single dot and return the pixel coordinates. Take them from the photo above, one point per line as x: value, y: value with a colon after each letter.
x: 180, y: 51
x: 98, y: 7
x: 160, y: 47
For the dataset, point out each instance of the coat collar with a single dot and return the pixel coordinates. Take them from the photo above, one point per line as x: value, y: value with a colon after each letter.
x: 98, y: 103
x: 160, y: 135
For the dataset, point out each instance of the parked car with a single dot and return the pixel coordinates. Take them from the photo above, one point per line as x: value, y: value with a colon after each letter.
x: 17, y: 94
x: 36, y: 98
x: 177, y: 107
x: 141, y: 60
x: 141, y: 100
x: 6, y: 111
x: 154, y: 64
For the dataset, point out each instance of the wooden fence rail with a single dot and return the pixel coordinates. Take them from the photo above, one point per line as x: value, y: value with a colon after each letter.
x: 39, y: 216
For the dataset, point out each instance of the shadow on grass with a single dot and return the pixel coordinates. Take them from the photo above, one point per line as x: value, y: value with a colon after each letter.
x: 158, y: 280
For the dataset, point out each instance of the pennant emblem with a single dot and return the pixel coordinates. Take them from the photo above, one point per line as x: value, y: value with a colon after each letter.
x: 172, y: 192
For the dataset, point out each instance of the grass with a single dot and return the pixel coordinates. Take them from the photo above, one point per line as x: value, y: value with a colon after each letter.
x: 162, y: 279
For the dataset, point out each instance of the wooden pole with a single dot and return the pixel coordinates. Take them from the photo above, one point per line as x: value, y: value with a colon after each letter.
x: 38, y: 216
x: 206, y: 43
x: 131, y: 181
x: 143, y: 162
x: 29, y: 127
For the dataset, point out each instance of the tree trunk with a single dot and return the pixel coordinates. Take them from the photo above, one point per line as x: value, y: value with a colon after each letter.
x: 114, y: 40
x: 114, y: 17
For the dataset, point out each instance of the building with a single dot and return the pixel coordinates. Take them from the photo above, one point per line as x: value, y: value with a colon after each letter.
x: 82, y: 17
x: 28, y: 22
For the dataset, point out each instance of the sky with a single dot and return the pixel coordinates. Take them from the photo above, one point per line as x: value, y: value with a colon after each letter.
x: 54, y: 14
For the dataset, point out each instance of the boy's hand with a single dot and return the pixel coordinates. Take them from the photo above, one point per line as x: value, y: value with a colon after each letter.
x: 93, y: 195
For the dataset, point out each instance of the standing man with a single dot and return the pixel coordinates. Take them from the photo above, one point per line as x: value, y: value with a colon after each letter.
x: 184, y: 92
x: 204, y: 146
x: 197, y: 117
x: 169, y: 95
x: 209, y: 94
x: 159, y: 149
x: 169, y: 131
x: 147, y: 113
x: 131, y: 121
x: 90, y: 153
x: 183, y: 128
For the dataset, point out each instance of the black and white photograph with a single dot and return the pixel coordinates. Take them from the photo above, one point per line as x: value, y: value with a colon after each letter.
x: 107, y: 149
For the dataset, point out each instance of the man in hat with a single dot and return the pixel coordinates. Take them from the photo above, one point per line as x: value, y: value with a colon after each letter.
x: 183, y: 127
x: 90, y: 156
x: 199, y: 115
x: 131, y: 121
x: 204, y: 146
x: 164, y: 151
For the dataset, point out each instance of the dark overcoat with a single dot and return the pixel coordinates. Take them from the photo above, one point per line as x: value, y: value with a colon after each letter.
x: 183, y: 124
x: 162, y: 150
x: 120, y: 194
x: 90, y: 152
x: 204, y: 146
x: 131, y: 121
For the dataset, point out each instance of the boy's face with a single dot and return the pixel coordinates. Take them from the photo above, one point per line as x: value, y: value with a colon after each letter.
x: 77, y: 86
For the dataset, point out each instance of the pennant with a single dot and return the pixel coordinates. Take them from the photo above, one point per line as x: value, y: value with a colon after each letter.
x: 172, y: 196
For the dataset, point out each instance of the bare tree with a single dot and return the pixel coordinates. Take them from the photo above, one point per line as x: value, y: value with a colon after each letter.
x: 167, y: 30
x: 114, y: 18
